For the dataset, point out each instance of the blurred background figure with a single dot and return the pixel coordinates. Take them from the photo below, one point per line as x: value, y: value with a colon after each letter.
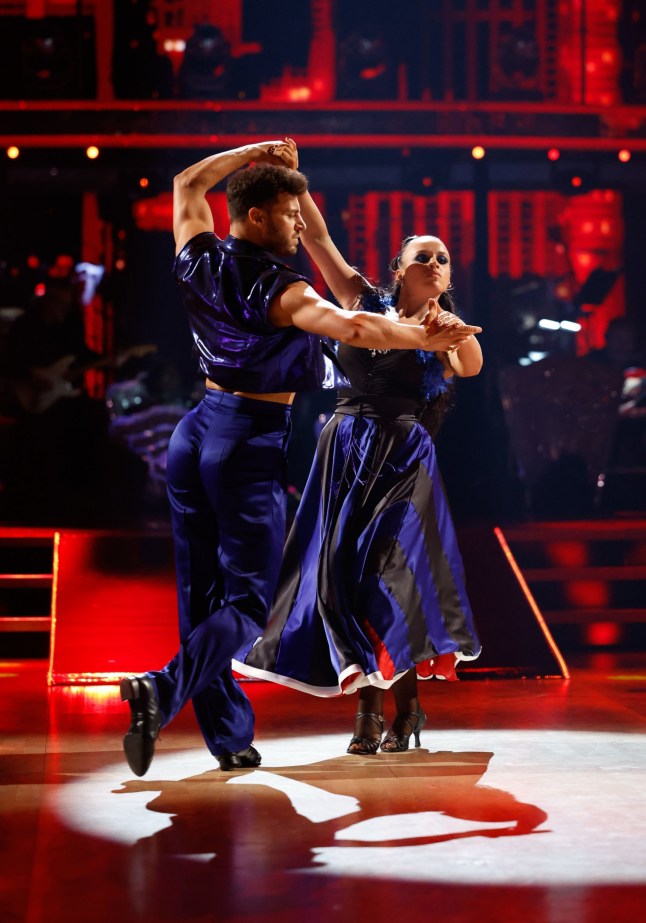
x: 144, y: 411
x: 623, y: 484
x: 60, y: 465
x: 205, y: 68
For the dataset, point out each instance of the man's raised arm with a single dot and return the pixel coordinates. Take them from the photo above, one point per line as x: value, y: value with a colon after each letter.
x: 191, y: 212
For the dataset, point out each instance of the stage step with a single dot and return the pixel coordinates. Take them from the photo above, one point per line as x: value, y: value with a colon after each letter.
x: 558, y: 574
x: 588, y: 615
x: 26, y: 580
x: 585, y: 575
x: 26, y: 577
x: 41, y: 623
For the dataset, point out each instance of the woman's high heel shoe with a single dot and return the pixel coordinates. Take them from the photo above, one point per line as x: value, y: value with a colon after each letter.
x: 366, y: 745
x: 395, y: 742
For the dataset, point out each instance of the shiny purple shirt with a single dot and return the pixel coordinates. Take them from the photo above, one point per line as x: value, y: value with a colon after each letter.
x: 228, y: 286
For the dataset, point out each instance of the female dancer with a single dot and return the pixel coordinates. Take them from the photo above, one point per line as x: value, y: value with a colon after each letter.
x: 371, y: 593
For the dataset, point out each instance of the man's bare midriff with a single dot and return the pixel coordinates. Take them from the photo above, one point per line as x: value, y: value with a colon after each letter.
x: 278, y: 397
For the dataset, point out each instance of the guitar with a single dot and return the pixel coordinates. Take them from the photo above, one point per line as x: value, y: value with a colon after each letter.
x: 54, y: 382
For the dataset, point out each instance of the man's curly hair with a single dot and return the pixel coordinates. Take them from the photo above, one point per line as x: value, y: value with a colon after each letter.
x: 258, y: 185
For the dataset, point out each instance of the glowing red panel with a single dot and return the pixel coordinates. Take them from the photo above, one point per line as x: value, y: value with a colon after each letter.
x: 567, y: 554
x: 603, y: 634
x: 114, y: 606
x: 589, y: 594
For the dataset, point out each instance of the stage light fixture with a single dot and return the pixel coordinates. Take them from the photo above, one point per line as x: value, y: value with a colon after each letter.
x: 92, y: 152
x: 299, y: 94
x: 624, y: 155
x: 174, y: 46
x: 478, y: 152
x: 13, y: 152
x: 553, y: 153
x: 57, y: 57
x: 206, y: 65
x: 365, y: 68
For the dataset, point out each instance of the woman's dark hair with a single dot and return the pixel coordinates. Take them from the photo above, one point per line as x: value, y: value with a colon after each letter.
x: 258, y: 185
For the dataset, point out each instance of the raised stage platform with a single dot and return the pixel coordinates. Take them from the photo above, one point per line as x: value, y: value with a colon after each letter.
x: 102, y: 603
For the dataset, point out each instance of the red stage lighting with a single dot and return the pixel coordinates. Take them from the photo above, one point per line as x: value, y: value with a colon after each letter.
x: 603, y: 634
x: 588, y: 594
x: 568, y: 554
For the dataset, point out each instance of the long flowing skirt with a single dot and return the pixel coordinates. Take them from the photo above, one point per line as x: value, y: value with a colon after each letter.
x: 372, y: 580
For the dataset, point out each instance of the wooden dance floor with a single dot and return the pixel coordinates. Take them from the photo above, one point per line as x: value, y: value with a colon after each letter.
x: 525, y: 803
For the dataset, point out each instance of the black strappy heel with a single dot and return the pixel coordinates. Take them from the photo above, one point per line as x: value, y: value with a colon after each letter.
x: 370, y: 745
x: 400, y: 741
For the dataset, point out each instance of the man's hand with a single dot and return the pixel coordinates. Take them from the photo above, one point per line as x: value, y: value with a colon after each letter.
x: 445, y: 331
x: 449, y: 337
x: 284, y: 153
x: 289, y: 153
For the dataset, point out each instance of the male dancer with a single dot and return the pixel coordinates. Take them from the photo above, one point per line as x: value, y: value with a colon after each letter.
x: 256, y: 325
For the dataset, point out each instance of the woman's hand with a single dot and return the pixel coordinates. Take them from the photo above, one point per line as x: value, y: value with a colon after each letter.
x: 445, y: 331
x: 448, y: 327
x: 284, y: 153
x: 289, y: 153
x: 266, y: 151
x: 450, y: 337
x: 434, y: 311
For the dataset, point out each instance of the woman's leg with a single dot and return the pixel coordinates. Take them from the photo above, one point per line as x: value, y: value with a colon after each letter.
x: 409, y: 719
x: 369, y: 722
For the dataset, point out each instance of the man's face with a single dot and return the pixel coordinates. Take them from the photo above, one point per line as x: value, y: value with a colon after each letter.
x: 283, y: 225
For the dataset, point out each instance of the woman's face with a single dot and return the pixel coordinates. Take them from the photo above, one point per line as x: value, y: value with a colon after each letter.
x: 425, y: 267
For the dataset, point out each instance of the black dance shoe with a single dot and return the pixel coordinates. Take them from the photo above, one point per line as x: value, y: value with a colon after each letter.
x: 139, y: 742
x: 364, y: 745
x: 241, y: 759
x: 396, y: 741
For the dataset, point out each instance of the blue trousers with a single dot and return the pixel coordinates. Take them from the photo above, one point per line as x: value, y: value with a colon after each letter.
x: 226, y: 484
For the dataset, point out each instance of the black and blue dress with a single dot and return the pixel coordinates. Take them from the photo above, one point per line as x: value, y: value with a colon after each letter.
x: 372, y: 579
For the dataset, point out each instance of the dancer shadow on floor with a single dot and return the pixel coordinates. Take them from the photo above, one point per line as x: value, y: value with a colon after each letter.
x: 293, y: 813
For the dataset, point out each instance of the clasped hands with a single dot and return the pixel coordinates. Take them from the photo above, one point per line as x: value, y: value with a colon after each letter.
x: 278, y: 152
x: 446, y: 331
